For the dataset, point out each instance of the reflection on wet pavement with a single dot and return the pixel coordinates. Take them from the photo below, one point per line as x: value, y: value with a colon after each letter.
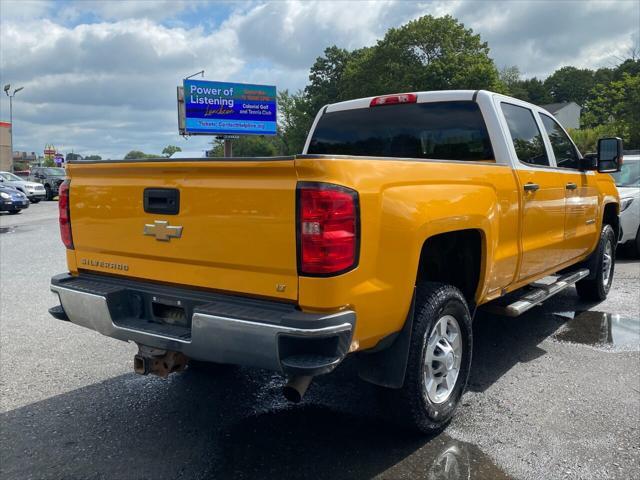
x: 230, y: 424
x: 313, y: 441
x: 599, y: 329
x: 7, y: 229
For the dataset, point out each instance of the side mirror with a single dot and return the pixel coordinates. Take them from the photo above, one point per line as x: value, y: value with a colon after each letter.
x: 589, y: 162
x: 609, y: 155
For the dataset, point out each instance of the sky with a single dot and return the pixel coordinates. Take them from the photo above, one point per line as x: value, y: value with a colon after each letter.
x: 100, y: 77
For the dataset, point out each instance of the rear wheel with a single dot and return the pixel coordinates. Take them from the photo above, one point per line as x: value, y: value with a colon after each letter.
x: 35, y: 200
x: 439, y: 359
x: 597, y: 288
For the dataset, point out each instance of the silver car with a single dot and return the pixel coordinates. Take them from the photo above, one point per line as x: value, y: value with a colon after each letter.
x: 628, y: 183
x: 34, y: 191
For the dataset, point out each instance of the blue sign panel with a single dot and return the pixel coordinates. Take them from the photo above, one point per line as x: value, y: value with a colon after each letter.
x: 222, y: 108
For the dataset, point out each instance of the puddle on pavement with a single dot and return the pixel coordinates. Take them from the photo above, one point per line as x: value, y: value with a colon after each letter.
x: 7, y: 229
x: 600, y: 329
x: 317, y: 442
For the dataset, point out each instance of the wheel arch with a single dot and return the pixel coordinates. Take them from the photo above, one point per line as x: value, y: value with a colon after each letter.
x: 386, y: 364
x: 455, y: 257
x: 610, y: 216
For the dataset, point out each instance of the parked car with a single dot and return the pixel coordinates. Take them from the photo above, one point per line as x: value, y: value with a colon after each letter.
x: 12, y: 200
x: 628, y: 182
x: 34, y: 191
x: 402, y: 216
x: 22, y: 173
x: 50, y: 178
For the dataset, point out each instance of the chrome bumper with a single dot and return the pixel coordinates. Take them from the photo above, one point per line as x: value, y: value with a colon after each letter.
x: 222, y: 329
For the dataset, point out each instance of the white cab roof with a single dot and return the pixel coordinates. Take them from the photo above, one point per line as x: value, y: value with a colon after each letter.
x: 435, y: 96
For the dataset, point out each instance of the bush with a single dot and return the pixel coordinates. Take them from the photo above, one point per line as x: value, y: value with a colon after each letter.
x: 586, y: 139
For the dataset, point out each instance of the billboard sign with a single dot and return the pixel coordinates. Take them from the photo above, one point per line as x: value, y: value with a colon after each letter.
x: 223, y: 108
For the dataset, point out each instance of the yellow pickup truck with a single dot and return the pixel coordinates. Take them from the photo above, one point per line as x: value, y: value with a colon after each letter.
x: 403, y: 215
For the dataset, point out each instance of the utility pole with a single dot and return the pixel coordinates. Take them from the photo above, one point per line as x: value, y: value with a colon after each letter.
x: 15, y: 90
x: 228, y: 147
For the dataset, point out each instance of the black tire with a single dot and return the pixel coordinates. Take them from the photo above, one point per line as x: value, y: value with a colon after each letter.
x: 48, y: 193
x: 37, y: 200
x: 596, y: 289
x: 635, y: 249
x: 413, y: 406
x: 14, y: 212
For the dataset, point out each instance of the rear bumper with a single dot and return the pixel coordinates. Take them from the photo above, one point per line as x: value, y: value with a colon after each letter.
x: 215, y: 328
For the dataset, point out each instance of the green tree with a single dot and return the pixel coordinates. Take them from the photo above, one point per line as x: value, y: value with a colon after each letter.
x: 249, y: 146
x: 532, y: 90
x: 296, y: 118
x: 510, y: 77
x: 570, y: 84
x: 137, y: 154
x: 586, y: 139
x: 630, y: 66
x: 326, y: 78
x: 48, y: 162
x: 93, y: 157
x: 603, y: 75
x: 425, y: 54
x: 170, y: 150
x: 617, y: 105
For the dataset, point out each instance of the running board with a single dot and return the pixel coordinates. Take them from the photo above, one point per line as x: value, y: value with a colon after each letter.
x: 518, y: 302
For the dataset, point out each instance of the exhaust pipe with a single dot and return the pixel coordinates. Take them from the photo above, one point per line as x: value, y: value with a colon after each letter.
x: 296, y: 387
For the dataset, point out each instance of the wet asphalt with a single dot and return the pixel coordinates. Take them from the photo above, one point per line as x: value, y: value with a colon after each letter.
x: 552, y: 394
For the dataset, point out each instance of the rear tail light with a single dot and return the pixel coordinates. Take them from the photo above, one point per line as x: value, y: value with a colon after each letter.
x: 328, y: 229
x: 65, y: 217
x: 394, y: 99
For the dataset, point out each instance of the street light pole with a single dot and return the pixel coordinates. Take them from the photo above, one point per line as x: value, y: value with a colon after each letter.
x: 15, y: 90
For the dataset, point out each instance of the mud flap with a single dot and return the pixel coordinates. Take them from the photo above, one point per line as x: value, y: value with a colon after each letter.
x: 386, y: 365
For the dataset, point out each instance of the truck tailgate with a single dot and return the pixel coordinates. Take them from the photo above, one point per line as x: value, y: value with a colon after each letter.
x: 237, y: 218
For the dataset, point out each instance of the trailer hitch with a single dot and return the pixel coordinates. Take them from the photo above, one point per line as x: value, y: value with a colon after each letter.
x: 156, y: 361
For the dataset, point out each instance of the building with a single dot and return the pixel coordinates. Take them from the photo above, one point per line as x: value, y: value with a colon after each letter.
x: 5, y: 147
x: 26, y: 157
x: 567, y: 113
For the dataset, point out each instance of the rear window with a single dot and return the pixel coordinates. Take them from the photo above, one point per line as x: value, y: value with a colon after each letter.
x: 439, y: 130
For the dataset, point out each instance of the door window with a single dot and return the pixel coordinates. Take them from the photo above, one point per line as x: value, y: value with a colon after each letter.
x: 565, y: 152
x: 525, y: 134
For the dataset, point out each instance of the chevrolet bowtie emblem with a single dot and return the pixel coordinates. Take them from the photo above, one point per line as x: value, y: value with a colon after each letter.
x: 162, y: 230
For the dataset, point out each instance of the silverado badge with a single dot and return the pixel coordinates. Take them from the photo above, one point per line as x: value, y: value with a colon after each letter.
x: 162, y: 230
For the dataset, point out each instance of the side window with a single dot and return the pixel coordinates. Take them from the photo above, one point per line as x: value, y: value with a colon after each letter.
x: 563, y: 149
x: 525, y: 134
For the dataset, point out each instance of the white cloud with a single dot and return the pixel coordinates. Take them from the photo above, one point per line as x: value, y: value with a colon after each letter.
x: 100, y: 76
x: 293, y: 34
x: 16, y: 10
x: 540, y: 37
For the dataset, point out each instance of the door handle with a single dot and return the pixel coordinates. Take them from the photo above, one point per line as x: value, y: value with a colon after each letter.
x: 571, y: 186
x: 531, y: 187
